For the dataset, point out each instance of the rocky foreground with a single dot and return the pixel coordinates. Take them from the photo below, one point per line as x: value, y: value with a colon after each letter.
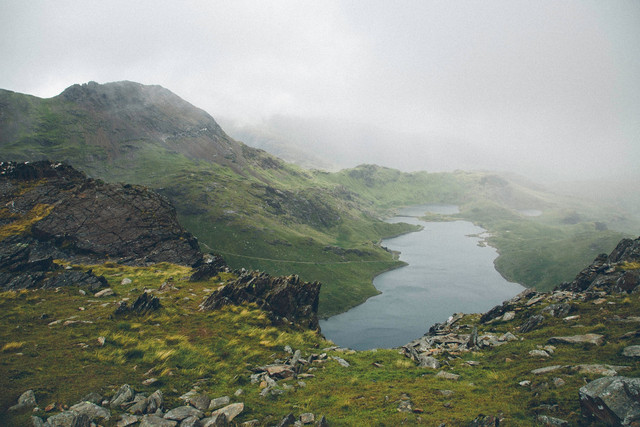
x: 110, y: 315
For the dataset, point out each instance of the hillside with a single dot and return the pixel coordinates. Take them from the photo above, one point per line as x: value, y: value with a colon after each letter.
x: 162, y: 343
x: 259, y: 212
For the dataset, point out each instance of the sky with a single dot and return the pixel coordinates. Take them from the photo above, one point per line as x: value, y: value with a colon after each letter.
x: 544, y: 88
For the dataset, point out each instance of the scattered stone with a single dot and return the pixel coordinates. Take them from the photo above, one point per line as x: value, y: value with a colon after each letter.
x: 546, y: 420
x: 192, y: 421
x: 104, y: 293
x: 288, y: 349
x: 219, y: 402
x: 200, y: 401
x: 50, y: 407
x: 323, y: 422
x: 602, y: 370
x: 538, y: 353
x: 486, y: 421
x: 182, y: 412
x: 37, y: 421
x: 143, y: 304
x: 428, y: 362
x: 125, y: 281
x: 288, y: 420
x: 570, y: 318
x: 63, y: 419
x: 251, y: 423
x: 101, y: 341
x: 217, y: 420
x: 612, y: 400
x: 508, y: 337
x: 531, y: 323
x: 557, y: 310
x: 631, y: 351
x: 149, y: 381
x: 548, y: 369
x: 307, y: 418
x: 230, y: 411
x: 341, y: 361
x: 447, y: 376
x: 123, y: 395
x: 156, y: 421
x: 239, y: 392
x: 509, y: 315
x: 578, y: 339
x: 92, y: 410
x: 525, y: 383
x: 26, y: 400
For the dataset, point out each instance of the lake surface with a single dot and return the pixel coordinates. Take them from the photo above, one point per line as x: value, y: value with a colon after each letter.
x: 448, y: 272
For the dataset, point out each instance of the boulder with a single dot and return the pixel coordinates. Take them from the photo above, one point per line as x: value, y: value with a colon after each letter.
x: 182, y: 412
x: 284, y: 297
x: 217, y: 420
x: 578, y: 339
x: 531, y: 323
x: 156, y: 421
x: 200, y: 401
x: 631, y: 351
x: 143, y: 304
x: 230, y: 411
x: 611, y: 400
x: 219, y: 402
x: 124, y: 395
x: 92, y: 410
x: 26, y: 400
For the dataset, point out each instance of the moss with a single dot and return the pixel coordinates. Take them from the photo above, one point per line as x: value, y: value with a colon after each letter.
x: 21, y: 224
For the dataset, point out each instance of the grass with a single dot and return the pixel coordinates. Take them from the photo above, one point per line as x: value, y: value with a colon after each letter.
x: 180, y: 345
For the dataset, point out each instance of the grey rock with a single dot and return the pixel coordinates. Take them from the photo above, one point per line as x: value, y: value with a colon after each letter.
x: 219, y: 402
x: 323, y: 422
x: 231, y: 411
x: 546, y: 420
x: 611, y: 400
x: 123, y: 395
x: 631, y: 351
x: 63, y: 419
x: 155, y: 402
x: 127, y: 420
x: 307, y: 418
x: 548, y: 369
x: 538, y: 353
x: 557, y: 310
x: 509, y: 315
x: 251, y: 423
x: 595, y: 339
x: 92, y: 397
x: 200, y: 401
x: 26, y: 400
x: 92, y: 410
x: 447, y: 376
x: 81, y: 420
x: 104, y: 293
x: 217, y: 420
x: 602, y: 370
x: 532, y: 323
x: 182, y: 412
x: 425, y: 361
x: 191, y: 422
x: 508, y: 337
x: 37, y: 421
x: 288, y: 420
x: 341, y: 361
x: 156, y: 421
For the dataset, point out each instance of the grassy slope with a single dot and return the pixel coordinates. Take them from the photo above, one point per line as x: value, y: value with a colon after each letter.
x: 182, y: 346
x: 230, y: 208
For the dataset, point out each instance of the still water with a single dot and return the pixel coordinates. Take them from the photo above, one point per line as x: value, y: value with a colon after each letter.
x: 448, y: 272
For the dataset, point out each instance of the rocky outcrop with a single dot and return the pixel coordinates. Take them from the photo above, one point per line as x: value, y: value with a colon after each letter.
x: 286, y: 298
x: 614, y: 401
x: 51, y: 211
x: 616, y: 272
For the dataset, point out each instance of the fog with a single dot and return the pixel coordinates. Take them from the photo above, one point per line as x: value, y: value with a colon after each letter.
x: 547, y: 89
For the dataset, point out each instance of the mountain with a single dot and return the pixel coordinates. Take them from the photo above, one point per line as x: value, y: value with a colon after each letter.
x: 162, y: 343
x: 260, y: 212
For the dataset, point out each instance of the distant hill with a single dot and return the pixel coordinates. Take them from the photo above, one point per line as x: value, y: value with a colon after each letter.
x: 260, y: 212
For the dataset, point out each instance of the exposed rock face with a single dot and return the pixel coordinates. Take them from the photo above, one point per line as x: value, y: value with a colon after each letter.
x: 51, y: 211
x: 285, y: 297
x: 610, y: 273
x: 612, y: 400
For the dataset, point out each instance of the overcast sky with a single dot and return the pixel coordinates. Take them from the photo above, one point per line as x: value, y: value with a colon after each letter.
x: 539, y: 87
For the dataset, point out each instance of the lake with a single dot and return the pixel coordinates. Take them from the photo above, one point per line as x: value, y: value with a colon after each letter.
x: 448, y: 272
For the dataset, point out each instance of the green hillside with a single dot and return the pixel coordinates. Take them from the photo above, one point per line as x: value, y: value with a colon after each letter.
x: 262, y: 213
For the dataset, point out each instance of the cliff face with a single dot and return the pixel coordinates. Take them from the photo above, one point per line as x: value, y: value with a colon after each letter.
x: 51, y: 211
